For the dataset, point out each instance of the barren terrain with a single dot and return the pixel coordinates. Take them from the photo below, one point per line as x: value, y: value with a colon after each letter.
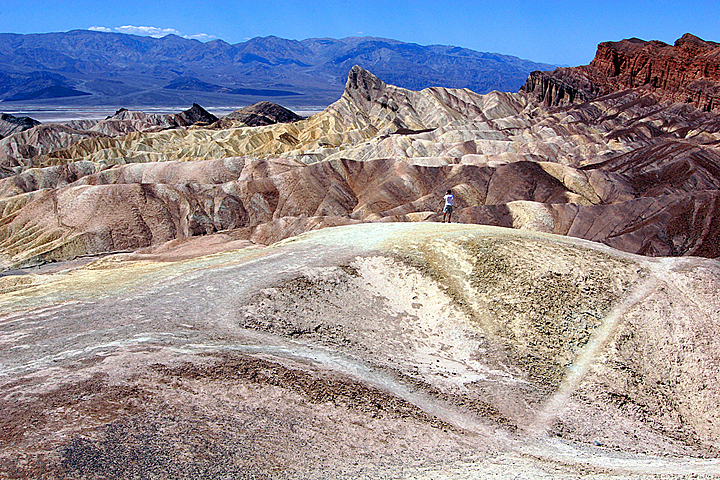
x: 373, y: 351
x: 262, y: 296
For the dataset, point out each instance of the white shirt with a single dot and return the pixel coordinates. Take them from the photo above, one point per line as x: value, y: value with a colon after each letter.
x: 448, y: 199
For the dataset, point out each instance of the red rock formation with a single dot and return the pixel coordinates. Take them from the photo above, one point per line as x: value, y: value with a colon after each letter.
x: 688, y: 71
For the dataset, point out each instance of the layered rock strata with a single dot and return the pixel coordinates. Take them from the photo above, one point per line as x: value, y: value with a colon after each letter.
x: 18, y: 149
x: 623, y: 169
x: 133, y: 206
x: 688, y: 72
x: 10, y: 124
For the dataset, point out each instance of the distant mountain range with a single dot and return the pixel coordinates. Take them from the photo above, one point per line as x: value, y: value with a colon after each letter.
x: 95, y: 68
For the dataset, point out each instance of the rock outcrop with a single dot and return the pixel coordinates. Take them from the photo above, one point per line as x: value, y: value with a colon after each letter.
x: 688, y: 72
x: 561, y: 87
x: 257, y: 115
x: 10, y: 124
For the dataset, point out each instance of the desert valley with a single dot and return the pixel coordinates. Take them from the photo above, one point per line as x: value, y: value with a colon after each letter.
x: 264, y: 295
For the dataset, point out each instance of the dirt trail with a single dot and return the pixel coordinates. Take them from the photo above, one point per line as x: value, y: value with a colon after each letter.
x: 579, y: 368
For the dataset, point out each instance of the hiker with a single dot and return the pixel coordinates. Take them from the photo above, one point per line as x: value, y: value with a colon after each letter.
x: 447, y: 211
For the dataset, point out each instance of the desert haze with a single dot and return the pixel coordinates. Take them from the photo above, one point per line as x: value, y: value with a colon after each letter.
x: 263, y: 295
x: 88, y: 68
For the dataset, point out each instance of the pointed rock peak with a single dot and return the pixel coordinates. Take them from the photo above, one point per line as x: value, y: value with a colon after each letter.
x: 10, y: 124
x: 197, y: 114
x: 197, y: 108
x: 363, y: 84
x: 688, y: 38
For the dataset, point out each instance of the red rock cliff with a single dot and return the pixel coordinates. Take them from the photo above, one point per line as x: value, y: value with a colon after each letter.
x: 688, y: 71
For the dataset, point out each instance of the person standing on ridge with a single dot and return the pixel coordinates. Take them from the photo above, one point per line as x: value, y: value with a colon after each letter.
x: 447, y: 211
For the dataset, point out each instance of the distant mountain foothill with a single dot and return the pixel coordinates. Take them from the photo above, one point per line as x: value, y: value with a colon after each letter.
x: 88, y: 68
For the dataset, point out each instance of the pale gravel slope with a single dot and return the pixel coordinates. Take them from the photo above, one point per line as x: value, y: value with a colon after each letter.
x: 367, y: 351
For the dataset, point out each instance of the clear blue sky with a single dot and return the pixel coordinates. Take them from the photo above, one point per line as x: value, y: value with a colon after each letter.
x: 557, y: 32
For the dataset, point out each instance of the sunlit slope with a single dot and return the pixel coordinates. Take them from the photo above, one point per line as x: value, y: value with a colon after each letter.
x: 481, y: 337
x: 623, y: 169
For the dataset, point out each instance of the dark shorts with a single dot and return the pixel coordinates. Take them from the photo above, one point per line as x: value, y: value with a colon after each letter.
x: 448, y: 209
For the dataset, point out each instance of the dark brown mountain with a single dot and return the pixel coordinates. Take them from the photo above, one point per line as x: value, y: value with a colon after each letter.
x: 10, y: 124
x: 258, y: 114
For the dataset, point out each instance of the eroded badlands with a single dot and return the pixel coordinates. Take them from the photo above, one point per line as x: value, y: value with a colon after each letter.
x: 262, y: 296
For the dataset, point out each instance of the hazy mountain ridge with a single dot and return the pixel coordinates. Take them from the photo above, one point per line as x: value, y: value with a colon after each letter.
x: 314, y: 68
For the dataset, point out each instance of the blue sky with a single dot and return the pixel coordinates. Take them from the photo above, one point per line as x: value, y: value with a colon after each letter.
x: 557, y: 32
